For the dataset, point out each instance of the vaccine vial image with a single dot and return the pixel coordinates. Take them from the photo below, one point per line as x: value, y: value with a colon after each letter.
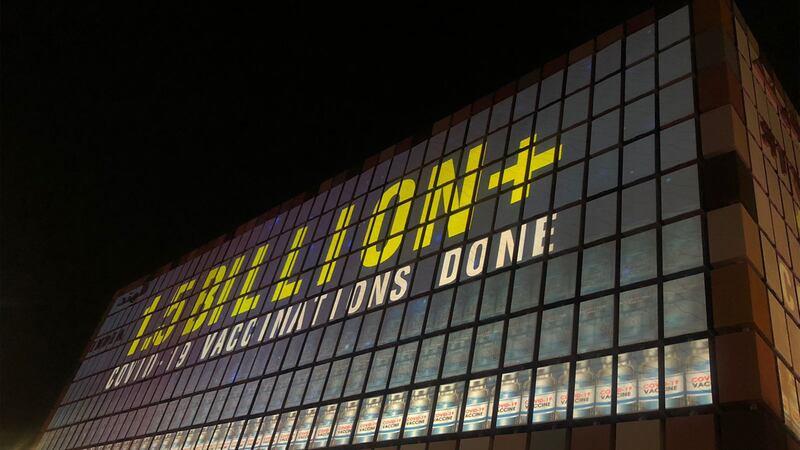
x: 302, y: 430
x: 392, y: 418
x: 674, y: 390
x: 322, y: 430
x: 508, y: 404
x: 698, y: 374
x: 648, y: 381
x: 419, y: 412
x: 448, y: 403
x: 344, y: 424
x: 368, y: 421
x: 603, y: 387
x: 477, y: 407
x: 544, y: 396
x: 583, y: 399
x: 627, y: 385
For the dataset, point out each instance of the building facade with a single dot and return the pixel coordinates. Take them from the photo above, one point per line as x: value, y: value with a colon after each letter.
x: 603, y: 254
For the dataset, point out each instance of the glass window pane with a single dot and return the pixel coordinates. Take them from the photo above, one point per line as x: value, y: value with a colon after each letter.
x: 608, y: 60
x: 293, y: 352
x: 298, y: 387
x: 310, y: 348
x: 599, y: 267
x: 683, y: 247
x: 392, y: 417
x: 466, y: 303
x: 391, y: 324
x: 640, y: 44
x: 547, y: 121
x: 673, y: 27
x: 603, y: 172
x: 698, y: 372
x: 329, y: 341
x: 606, y: 94
x: 605, y: 131
x: 419, y: 412
x: 404, y: 364
x: 527, y: 282
x: 638, y: 315
x: 630, y: 386
x: 521, y: 340
x: 368, y: 420
x: 495, y: 295
x: 358, y: 373
x: 596, y: 324
x: 569, y: 183
x: 429, y: 357
x: 514, y: 399
x: 674, y: 386
x: 561, y: 275
x: 685, y: 305
x: 638, y: 205
x: 565, y: 229
x: 455, y: 360
x: 379, y: 373
x: 573, y: 147
x: 487, y: 346
x: 538, y: 201
x: 601, y: 218
x: 275, y: 360
x: 301, y: 433
x: 525, y: 101
x: 314, y: 391
x: 519, y: 131
x: 674, y: 63
x: 265, y: 433
x: 679, y: 192
x: 551, y: 88
x: 333, y: 389
x: 551, y: 393
x: 348, y: 339
x: 639, y: 117
x: 676, y: 101
x: 448, y: 406
x: 260, y: 403
x: 579, y: 74
x: 638, y: 257
x: 369, y: 330
x: 345, y: 422
x: 600, y: 392
x: 638, y: 159
x: 284, y: 431
x: 678, y: 144
x: 415, y: 315
x: 279, y: 392
x: 478, y: 409
x: 323, y: 426
x: 439, y: 313
x: 576, y: 108
x: 556, y: 336
x: 640, y: 78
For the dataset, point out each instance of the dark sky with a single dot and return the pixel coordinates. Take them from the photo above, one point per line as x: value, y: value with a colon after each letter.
x: 132, y: 134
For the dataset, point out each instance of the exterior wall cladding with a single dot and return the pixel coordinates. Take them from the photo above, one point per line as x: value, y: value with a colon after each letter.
x: 603, y: 254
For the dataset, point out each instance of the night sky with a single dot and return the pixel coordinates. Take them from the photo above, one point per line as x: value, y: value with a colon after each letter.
x: 133, y: 133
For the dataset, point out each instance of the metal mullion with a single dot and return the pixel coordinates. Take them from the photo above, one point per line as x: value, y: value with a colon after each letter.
x: 617, y: 238
x: 539, y: 308
x: 579, y: 256
x: 701, y: 162
x: 504, y: 162
x: 659, y: 234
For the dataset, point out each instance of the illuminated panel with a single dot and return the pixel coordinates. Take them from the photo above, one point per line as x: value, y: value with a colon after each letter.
x: 541, y: 260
